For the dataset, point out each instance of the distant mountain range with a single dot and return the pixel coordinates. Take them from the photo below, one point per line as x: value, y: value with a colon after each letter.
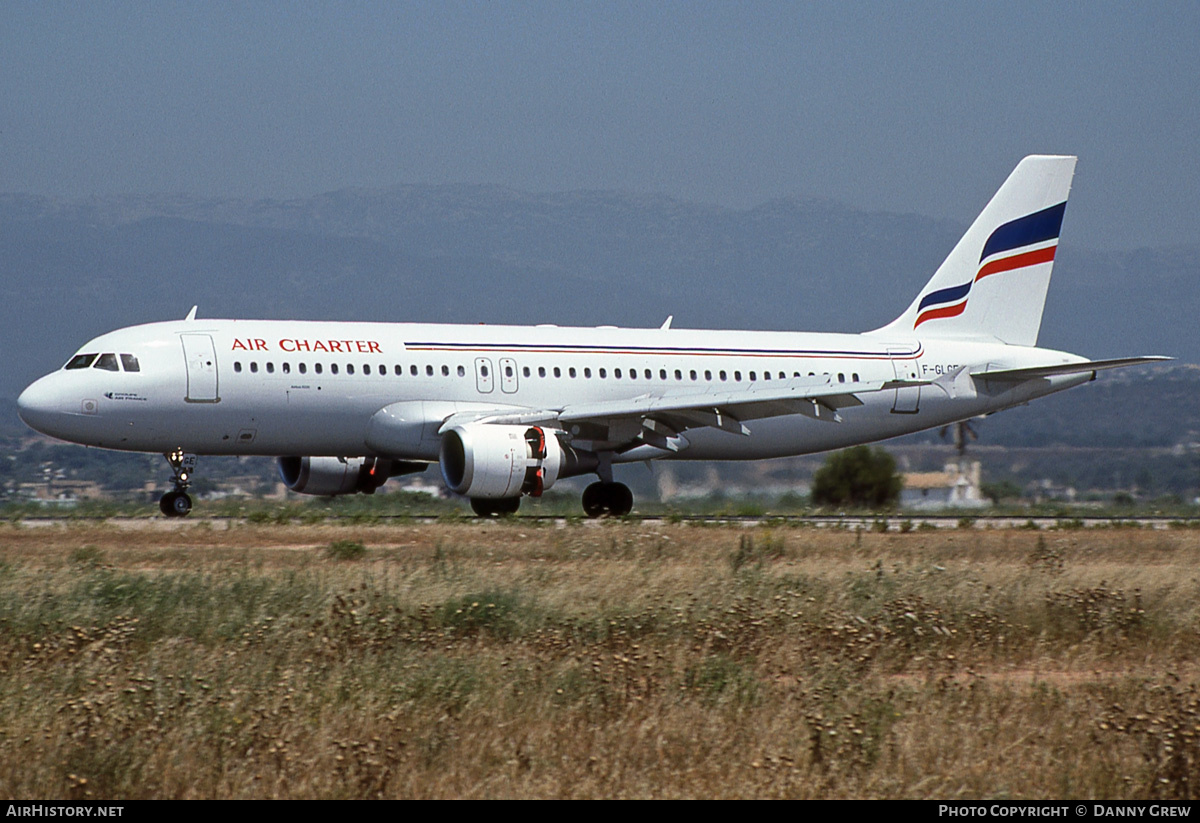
x: 73, y: 269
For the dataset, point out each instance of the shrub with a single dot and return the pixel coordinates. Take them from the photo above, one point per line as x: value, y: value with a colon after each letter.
x: 346, y: 550
x: 860, y: 477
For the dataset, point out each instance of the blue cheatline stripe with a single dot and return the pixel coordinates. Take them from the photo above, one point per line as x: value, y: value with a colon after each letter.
x: 1025, y: 231
x: 945, y: 295
x: 569, y: 348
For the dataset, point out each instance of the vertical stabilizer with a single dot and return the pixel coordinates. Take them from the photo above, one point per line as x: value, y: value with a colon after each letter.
x: 993, y: 284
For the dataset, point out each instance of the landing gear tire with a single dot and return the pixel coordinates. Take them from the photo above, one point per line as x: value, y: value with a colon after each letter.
x: 607, y: 499
x: 495, y: 507
x: 175, y: 504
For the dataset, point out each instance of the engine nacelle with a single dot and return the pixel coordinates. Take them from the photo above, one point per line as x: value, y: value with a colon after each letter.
x: 497, y: 461
x: 341, y: 475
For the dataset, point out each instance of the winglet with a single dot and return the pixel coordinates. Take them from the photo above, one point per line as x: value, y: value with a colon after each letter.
x: 667, y: 323
x: 192, y: 314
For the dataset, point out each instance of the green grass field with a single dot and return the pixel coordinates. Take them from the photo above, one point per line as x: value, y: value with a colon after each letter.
x: 527, y: 659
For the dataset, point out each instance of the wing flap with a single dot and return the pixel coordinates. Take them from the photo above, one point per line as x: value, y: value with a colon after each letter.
x: 788, y: 397
x: 659, y: 419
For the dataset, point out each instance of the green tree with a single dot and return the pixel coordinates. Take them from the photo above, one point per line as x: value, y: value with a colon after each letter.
x: 860, y: 477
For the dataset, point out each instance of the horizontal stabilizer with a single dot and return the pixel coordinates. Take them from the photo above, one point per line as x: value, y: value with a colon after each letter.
x: 1068, y: 368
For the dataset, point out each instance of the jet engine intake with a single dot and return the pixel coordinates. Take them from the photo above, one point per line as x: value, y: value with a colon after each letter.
x: 499, y: 461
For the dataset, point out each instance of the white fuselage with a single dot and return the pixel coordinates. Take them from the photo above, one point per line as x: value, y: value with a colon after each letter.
x: 253, y: 387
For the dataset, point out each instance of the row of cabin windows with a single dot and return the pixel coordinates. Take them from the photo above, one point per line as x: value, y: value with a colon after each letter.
x: 648, y: 374
x: 107, y: 362
x: 367, y: 368
x: 557, y: 371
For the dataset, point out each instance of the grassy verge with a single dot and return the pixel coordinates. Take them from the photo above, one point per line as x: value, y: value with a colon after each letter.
x: 596, y: 660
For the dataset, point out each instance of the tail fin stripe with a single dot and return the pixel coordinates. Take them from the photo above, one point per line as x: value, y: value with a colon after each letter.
x: 1025, y: 231
x: 945, y: 295
x: 954, y: 293
x: 944, y: 311
x: 1017, y: 261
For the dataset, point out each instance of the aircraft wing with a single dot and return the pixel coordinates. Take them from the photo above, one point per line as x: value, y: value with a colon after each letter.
x: 658, y: 419
x: 1067, y: 368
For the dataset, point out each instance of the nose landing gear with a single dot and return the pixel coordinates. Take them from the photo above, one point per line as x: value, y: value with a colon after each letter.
x: 177, y: 502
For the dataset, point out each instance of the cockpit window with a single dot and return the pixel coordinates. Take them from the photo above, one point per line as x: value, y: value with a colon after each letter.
x: 130, y: 363
x: 107, y: 361
x: 80, y: 361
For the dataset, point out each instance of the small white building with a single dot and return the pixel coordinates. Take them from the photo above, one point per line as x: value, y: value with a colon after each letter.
x: 955, y: 487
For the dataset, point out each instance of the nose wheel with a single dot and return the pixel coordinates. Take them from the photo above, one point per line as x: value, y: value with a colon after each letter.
x: 177, y: 502
x: 607, y: 499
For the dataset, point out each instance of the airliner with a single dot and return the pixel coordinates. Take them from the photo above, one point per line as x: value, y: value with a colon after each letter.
x: 508, y: 411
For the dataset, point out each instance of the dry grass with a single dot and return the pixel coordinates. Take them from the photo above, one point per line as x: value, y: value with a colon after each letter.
x: 597, y: 660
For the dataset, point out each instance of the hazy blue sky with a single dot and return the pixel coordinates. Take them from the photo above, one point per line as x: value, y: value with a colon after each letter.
x: 915, y: 107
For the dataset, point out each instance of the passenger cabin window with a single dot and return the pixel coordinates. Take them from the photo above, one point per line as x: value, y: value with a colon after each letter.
x: 333, y: 368
x: 254, y: 367
x: 270, y: 368
x: 130, y: 363
x: 237, y: 366
x: 108, y: 362
x: 303, y: 368
x: 80, y: 361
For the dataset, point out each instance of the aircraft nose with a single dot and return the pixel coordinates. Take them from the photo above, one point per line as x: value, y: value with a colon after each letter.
x: 40, y: 405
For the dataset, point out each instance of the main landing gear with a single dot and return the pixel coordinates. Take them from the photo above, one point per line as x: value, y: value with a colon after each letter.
x: 599, y: 500
x: 607, y: 499
x: 177, y: 503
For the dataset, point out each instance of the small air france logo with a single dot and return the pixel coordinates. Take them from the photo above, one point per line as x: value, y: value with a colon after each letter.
x: 1026, y: 241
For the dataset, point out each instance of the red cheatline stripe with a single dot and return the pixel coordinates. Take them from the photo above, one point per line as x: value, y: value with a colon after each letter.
x: 1017, y: 261
x: 944, y: 311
